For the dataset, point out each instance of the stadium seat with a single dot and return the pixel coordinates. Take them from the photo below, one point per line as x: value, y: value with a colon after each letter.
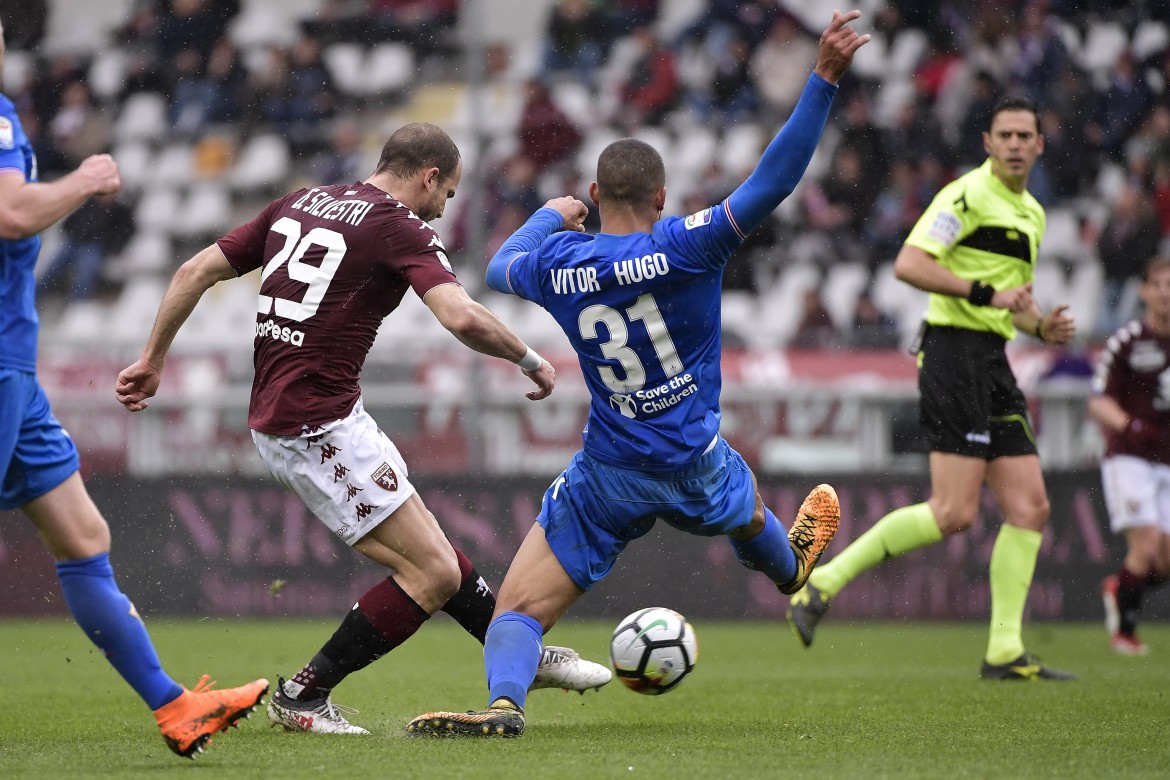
x: 81, y: 27
x: 576, y: 101
x: 1062, y: 236
x: 269, y: 22
x: 1110, y: 181
x: 174, y: 166
x: 1104, y: 43
x: 1050, y: 285
x: 1084, y: 294
x: 780, y: 306
x: 898, y: 300
x: 742, y: 145
x: 595, y: 140
x: 206, y: 212
x: 390, y: 68
x: 131, y: 314
x: 740, y: 314
x: 79, y: 323
x: 19, y: 67
x: 135, y: 163
x: 872, y: 60
x: 1149, y: 38
x: 906, y: 51
x: 148, y: 252
x: 695, y: 150
x: 143, y: 118
x: 262, y: 164
x: 157, y: 209
x: 106, y: 73
x: 675, y: 15
x: 843, y: 284
x: 346, y: 65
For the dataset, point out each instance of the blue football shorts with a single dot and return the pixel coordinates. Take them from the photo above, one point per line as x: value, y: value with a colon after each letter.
x: 593, y: 510
x: 36, y: 455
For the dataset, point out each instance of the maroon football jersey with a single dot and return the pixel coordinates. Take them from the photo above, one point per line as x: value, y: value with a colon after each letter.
x: 336, y: 260
x: 1134, y: 369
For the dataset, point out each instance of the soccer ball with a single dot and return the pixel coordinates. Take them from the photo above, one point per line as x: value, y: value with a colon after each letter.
x: 653, y: 650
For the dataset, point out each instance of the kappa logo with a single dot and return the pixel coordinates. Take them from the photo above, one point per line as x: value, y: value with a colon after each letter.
x: 385, y: 478
x: 624, y: 403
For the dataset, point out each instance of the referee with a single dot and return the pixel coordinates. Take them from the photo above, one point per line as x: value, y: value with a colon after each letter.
x: 974, y: 251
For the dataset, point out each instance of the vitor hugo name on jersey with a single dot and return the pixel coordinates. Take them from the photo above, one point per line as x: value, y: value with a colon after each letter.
x: 570, y: 281
x: 325, y: 206
x: 655, y: 399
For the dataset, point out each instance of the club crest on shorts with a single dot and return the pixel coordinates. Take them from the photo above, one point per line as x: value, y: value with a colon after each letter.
x: 385, y: 478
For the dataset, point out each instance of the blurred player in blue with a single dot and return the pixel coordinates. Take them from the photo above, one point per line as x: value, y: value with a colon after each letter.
x: 39, y: 462
x: 640, y: 302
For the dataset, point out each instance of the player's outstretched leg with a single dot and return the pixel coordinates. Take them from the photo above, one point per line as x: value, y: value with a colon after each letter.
x: 811, y: 532
x: 563, y: 667
x: 188, y: 722
x: 319, y: 716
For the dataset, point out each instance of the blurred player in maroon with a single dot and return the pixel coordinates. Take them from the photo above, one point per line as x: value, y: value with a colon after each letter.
x: 336, y: 261
x: 1131, y: 401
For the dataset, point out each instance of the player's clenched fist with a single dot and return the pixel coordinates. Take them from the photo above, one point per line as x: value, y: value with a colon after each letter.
x: 573, y: 211
x: 101, y: 173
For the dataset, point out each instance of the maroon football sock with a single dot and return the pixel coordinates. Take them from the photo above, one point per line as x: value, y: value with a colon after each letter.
x: 382, y: 619
x: 1129, y: 599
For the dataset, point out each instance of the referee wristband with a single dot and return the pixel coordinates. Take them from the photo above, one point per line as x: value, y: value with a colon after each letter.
x: 1040, y: 330
x: 531, y: 361
x: 980, y: 294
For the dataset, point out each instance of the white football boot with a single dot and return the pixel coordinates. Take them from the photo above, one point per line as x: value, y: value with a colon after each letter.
x: 319, y: 716
x: 561, y: 667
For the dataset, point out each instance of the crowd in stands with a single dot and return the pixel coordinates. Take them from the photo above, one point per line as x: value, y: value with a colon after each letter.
x: 708, y: 89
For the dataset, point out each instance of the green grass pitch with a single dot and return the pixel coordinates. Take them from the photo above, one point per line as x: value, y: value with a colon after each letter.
x: 868, y: 701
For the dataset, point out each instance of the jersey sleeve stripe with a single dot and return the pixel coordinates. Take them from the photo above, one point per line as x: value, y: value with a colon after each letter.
x: 731, y: 218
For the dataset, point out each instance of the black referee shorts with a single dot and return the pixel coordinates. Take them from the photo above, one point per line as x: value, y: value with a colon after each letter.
x: 970, y: 403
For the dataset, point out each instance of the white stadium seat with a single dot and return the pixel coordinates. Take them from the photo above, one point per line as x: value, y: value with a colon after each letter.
x: 175, y: 165
x: 135, y: 162
x: 781, y: 306
x: 157, y: 209
x: 263, y: 163
x: 843, y: 284
x: 106, y: 73
x: 389, y: 69
x: 143, y: 117
x: 19, y: 67
x: 740, y: 150
x: 1104, y: 43
x: 346, y: 65
x: 1149, y: 38
x: 1062, y: 236
x: 206, y: 211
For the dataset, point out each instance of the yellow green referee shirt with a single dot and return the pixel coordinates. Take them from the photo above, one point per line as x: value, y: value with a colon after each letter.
x: 980, y: 230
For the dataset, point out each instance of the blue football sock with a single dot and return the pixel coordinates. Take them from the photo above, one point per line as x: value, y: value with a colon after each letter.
x: 768, y: 551
x: 511, y: 654
x: 110, y: 621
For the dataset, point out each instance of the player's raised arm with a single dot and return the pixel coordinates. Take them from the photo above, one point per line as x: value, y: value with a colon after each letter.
x: 564, y: 213
x: 789, y: 153
x: 27, y: 208
x: 478, y: 328
x: 140, y: 381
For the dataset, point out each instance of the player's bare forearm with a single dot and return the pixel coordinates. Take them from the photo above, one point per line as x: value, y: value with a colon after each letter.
x: 140, y: 381
x: 1056, y: 327
x: 28, y: 208
x: 918, y: 268
x: 1105, y: 410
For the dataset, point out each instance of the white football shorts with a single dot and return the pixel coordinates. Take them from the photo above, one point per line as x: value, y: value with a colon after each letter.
x: 1137, y: 493
x: 349, y: 473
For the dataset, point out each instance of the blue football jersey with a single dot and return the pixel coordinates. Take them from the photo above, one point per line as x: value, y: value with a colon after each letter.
x: 18, y: 312
x: 643, y: 312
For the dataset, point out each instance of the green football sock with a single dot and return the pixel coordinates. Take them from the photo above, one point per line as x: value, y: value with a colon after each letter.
x: 1013, y: 561
x: 897, y: 533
